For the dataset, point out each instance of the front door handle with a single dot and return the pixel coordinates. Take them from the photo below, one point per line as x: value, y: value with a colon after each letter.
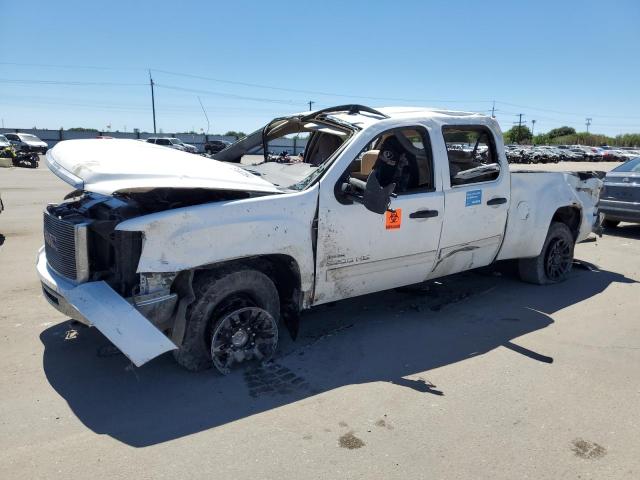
x: 424, y: 214
x: 497, y: 201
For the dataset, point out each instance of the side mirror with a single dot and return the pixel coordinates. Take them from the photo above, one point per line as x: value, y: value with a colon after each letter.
x: 374, y: 197
x: 377, y: 198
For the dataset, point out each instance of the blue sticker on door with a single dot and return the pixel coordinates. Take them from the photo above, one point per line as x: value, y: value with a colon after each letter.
x: 474, y: 197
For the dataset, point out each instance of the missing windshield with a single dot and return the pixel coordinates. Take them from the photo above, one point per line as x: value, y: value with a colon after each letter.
x: 291, y: 152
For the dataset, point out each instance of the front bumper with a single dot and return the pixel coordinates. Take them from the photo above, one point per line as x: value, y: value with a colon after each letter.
x: 97, y: 304
x: 36, y: 149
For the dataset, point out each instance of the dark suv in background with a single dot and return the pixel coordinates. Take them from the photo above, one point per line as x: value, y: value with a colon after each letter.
x: 214, y: 146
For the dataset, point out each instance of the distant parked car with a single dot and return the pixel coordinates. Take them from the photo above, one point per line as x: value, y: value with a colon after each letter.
x: 4, y: 142
x: 611, y: 155
x: 214, y: 146
x: 173, y: 142
x: 25, y: 142
x: 620, y: 195
x: 588, y: 153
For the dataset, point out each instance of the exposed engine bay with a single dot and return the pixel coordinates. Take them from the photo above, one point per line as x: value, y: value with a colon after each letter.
x: 113, y: 255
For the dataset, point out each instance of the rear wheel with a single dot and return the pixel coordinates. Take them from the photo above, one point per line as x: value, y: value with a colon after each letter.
x: 554, y: 263
x: 232, y: 322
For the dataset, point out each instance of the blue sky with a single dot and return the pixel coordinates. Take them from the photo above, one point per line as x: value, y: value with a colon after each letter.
x: 555, y: 61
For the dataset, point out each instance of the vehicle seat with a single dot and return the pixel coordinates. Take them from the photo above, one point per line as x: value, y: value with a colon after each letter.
x: 325, y: 147
x: 367, y: 162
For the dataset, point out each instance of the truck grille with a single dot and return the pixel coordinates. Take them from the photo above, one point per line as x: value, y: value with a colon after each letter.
x: 65, y: 244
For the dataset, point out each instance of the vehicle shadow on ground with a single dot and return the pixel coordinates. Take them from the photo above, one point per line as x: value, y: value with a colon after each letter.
x: 630, y: 231
x: 393, y: 336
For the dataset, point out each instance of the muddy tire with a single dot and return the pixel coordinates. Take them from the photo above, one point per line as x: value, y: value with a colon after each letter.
x: 554, y: 263
x: 218, y: 294
x: 610, y: 223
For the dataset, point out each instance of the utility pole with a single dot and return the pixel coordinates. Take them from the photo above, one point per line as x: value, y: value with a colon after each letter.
x: 311, y: 105
x: 520, y: 126
x: 588, y: 122
x: 533, y: 126
x: 493, y: 110
x: 153, y: 102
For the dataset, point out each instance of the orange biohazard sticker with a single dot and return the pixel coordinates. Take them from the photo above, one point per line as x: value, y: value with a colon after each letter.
x: 393, y: 219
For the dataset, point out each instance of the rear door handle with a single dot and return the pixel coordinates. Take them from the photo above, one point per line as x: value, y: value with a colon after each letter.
x: 424, y: 214
x: 497, y: 201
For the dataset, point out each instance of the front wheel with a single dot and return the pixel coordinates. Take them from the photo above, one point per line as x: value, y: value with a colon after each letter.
x: 232, y: 322
x: 554, y: 263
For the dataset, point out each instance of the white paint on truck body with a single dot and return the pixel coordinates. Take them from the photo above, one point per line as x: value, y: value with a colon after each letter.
x: 114, y: 165
x: 536, y: 196
x: 190, y: 237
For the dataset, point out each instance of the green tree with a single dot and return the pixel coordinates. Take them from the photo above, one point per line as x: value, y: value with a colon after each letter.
x: 518, y: 134
x: 238, y: 135
x: 541, y: 139
x: 627, y: 140
x: 561, y: 132
x: 82, y: 129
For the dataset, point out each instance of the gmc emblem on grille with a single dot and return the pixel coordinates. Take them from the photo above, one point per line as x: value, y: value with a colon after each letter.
x: 50, y: 240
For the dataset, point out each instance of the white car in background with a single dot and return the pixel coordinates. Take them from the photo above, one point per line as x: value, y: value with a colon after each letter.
x: 26, y: 142
x: 173, y: 142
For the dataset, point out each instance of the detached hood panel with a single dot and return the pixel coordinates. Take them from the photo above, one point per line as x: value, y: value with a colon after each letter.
x: 108, y: 165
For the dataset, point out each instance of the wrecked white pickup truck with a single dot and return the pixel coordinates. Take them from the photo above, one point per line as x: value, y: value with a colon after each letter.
x: 163, y: 250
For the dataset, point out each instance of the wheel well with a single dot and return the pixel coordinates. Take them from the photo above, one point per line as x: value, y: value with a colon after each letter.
x: 283, y: 270
x: 570, y: 216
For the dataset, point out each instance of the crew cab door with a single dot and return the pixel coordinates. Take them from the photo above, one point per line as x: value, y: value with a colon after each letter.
x: 477, y: 193
x: 359, y: 251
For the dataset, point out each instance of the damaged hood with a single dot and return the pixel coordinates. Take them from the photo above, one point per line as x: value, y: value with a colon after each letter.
x: 108, y: 166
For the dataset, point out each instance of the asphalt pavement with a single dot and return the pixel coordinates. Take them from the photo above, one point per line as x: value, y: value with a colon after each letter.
x: 475, y: 376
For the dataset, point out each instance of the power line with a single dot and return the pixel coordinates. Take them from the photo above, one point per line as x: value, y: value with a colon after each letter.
x: 66, y: 82
x: 89, y: 67
x: 565, y: 113
x: 231, y: 95
x: 247, y: 84
x: 313, y: 92
x: 25, y: 100
x: 271, y: 87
